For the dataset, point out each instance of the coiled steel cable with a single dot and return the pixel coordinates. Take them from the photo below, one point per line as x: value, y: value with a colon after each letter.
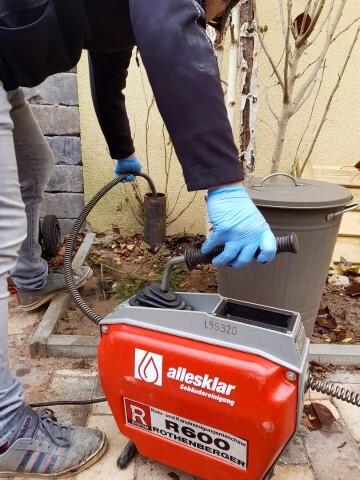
x: 69, y: 277
x: 333, y: 390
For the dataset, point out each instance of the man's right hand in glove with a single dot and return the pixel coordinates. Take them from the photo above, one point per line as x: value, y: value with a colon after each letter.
x: 239, y: 225
x: 127, y: 165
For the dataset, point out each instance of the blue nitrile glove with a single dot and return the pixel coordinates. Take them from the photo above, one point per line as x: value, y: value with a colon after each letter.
x: 127, y: 165
x: 240, y: 226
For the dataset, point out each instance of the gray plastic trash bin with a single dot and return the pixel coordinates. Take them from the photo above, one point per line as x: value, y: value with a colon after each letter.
x: 293, y: 282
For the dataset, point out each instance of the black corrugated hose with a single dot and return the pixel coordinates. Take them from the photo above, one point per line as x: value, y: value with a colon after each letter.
x: 69, y: 277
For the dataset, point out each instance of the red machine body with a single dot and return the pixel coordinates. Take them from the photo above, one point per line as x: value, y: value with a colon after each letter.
x: 212, y: 411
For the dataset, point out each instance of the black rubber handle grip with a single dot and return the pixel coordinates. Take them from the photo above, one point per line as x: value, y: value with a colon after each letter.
x: 193, y: 256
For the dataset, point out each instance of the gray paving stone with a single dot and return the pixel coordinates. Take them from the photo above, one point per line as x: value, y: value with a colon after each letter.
x: 293, y: 472
x: 330, y: 458
x: 350, y: 413
x: 294, y: 453
x: 156, y: 471
x: 70, y: 388
x: 35, y: 381
x: 66, y: 150
x: 106, y: 468
x: 335, y: 354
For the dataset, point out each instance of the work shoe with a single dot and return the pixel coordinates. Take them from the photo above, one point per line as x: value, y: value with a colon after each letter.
x: 55, y: 284
x: 40, y: 447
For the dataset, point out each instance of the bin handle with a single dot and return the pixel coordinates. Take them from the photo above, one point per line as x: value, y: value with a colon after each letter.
x: 296, y: 182
x: 347, y: 209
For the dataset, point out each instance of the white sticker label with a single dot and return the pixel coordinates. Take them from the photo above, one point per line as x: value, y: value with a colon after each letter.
x: 197, y: 436
x: 148, y: 366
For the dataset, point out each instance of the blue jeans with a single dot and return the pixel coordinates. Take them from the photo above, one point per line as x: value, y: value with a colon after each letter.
x: 26, y: 164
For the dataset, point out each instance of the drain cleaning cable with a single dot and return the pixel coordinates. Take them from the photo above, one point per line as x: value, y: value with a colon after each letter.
x: 321, y: 386
x: 69, y: 277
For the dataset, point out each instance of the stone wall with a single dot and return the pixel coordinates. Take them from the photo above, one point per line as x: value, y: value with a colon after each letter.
x: 55, y: 105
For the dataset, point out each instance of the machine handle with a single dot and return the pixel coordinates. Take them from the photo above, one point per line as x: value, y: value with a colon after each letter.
x: 193, y: 256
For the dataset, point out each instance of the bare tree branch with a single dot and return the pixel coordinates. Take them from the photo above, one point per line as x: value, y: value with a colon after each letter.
x: 276, y: 71
x: 345, y: 29
x: 329, y: 102
x: 318, y: 64
x: 287, y: 52
x: 302, y: 38
x: 306, y: 96
x: 321, y: 25
x: 266, y: 91
x: 282, y: 19
x: 310, y: 116
x: 182, y: 211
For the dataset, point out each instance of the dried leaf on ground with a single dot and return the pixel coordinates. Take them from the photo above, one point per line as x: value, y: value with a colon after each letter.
x: 317, y: 416
x: 325, y: 319
x: 353, y: 290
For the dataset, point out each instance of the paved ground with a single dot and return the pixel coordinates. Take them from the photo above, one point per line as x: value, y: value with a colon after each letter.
x: 315, y: 455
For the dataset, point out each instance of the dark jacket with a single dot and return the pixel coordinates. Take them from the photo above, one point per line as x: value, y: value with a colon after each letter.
x: 42, y: 37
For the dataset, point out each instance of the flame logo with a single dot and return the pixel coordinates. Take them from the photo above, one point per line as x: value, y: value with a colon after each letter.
x: 148, y: 366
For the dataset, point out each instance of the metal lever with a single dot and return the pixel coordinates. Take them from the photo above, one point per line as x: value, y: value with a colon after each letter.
x: 193, y: 256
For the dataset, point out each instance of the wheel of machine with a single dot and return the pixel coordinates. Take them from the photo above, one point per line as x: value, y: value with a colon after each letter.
x: 50, y: 235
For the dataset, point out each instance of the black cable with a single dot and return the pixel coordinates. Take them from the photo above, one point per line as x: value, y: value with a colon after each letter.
x: 68, y: 402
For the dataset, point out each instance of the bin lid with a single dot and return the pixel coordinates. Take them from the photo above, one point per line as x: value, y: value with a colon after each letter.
x: 284, y: 191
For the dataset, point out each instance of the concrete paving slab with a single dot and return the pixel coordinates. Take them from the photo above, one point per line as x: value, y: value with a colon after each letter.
x: 335, y: 354
x: 350, y: 413
x: 148, y: 469
x: 293, y: 472
x: 106, y: 468
x: 335, y: 456
x: 76, y: 373
x: 294, y: 453
x: 69, y: 388
x: 345, y: 376
x: 73, y: 346
x: 314, y: 396
x: 38, y: 342
x: 40, y: 339
x: 19, y: 321
x: 101, y: 409
x: 35, y: 380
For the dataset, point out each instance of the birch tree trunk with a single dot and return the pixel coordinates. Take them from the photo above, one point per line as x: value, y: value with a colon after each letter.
x: 233, y: 65
x: 249, y: 86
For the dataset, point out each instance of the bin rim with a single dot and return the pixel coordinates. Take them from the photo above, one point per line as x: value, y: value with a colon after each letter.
x: 301, y: 194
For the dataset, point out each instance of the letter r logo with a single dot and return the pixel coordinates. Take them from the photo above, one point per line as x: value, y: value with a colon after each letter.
x: 148, y: 366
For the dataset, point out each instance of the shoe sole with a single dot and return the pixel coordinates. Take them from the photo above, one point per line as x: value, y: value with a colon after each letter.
x: 66, y: 473
x: 47, y: 298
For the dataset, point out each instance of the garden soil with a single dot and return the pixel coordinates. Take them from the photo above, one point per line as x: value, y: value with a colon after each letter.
x: 124, y: 265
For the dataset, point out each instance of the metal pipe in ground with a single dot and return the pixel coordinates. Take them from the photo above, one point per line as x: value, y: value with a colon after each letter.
x: 154, y: 219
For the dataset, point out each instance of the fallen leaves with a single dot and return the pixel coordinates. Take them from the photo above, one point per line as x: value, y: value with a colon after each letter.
x: 317, y: 416
x: 325, y: 319
x: 331, y: 330
x: 353, y: 290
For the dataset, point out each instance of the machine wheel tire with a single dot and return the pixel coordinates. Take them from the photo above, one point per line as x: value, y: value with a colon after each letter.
x: 51, y: 235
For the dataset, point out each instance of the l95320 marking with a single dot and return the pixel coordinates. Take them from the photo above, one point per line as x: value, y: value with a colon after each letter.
x: 220, y: 327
